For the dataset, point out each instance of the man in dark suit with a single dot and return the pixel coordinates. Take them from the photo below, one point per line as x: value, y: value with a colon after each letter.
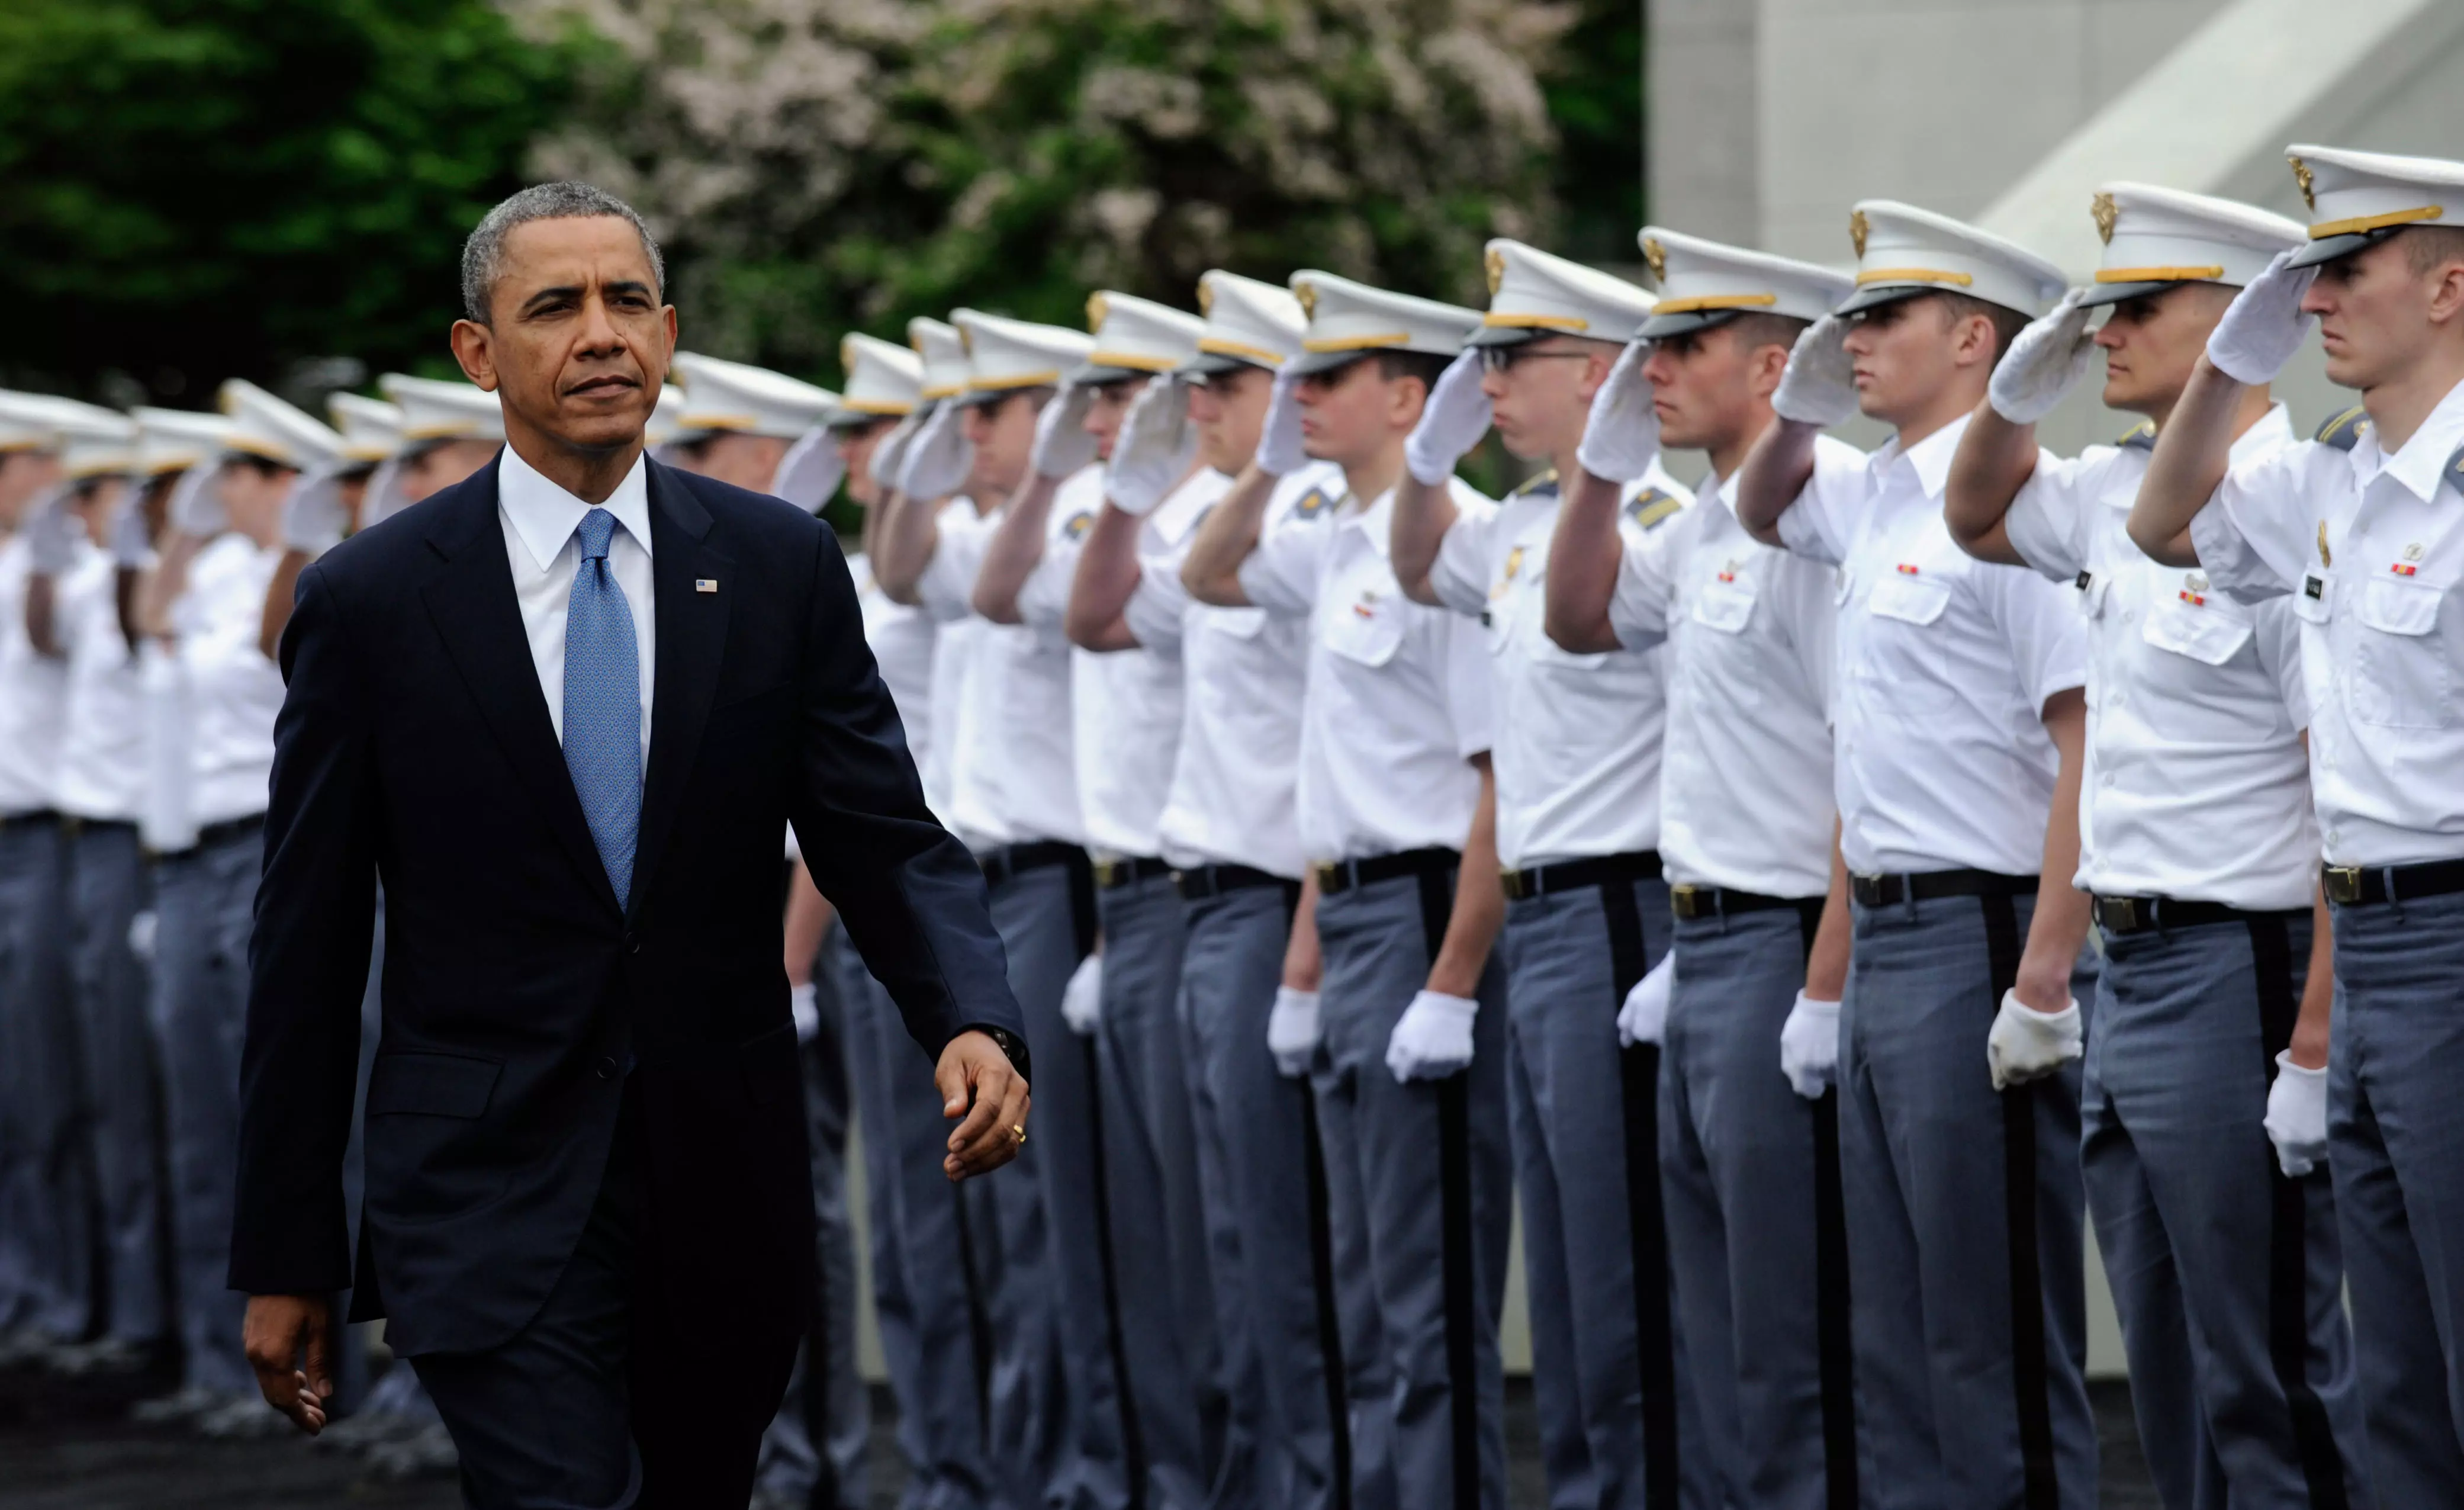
x: 565, y: 708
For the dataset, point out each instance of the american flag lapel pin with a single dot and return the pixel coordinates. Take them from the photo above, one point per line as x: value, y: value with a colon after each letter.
x: 705, y: 584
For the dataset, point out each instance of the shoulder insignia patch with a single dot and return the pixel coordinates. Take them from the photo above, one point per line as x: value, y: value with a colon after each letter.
x: 1079, y: 525
x: 1312, y: 504
x: 2344, y: 429
x: 1544, y: 480
x: 2140, y: 436
x: 1648, y: 508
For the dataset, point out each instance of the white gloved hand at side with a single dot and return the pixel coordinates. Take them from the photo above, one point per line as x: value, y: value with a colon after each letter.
x: 2296, y: 1116
x: 2027, y: 1045
x: 1082, y: 999
x: 1061, y: 444
x: 2045, y: 362
x: 52, y: 532
x: 2264, y: 324
x: 197, y: 503
x: 1279, y: 440
x: 1293, y: 1031
x: 1644, y: 1016
x: 890, y: 452
x: 1433, y: 1037
x: 1809, y: 1047
x: 810, y: 472
x: 1621, y: 434
x: 938, y: 457
x: 1452, y: 421
x: 1156, y: 448
x: 803, y: 1004
x: 1819, y: 387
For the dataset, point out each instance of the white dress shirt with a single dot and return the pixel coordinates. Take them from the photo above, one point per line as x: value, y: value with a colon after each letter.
x: 1399, y: 696
x: 2370, y: 547
x: 2196, y: 785
x: 103, y: 741
x: 1941, y: 761
x: 234, y: 692
x: 1579, y: 736
x: 904, y: 644
x: 1745, y: 786
x: 953, y: 651
x: 34, y: 692
x: 540, y: 544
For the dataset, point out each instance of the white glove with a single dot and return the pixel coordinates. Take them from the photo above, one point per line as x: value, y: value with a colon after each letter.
x: 1292, y: 1032
x: 2296, y: 1116
x: 1432, y: 1038
x: 1279, y: 440
x: 2027, y: 1045
x: 1452, y: 421
x: 1809, y: 1047
x: 1819, y: 387
x: 312, y: 516
x: 2264, y: 324
x: 890, y: 452
x: 52, y: 532
x: 1061, y: 444
x: 1621, y: 436
x: 1082, y: 999
x: 805, y: 1008
x: 197, y: 503
x: 937, y: 459
x: 1157, y: 447
x: 141, y: 935
x: 1645, y: 1016
x: 129, y: 545
x: 810, y: 472
x: 2045, y: 362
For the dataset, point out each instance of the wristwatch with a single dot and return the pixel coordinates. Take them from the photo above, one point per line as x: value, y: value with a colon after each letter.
x: 1011, y: 1045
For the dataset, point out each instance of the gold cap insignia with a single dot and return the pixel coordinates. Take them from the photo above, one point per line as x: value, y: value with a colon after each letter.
x: 1205, y: 299
x: 966, y: 341
x: 2324, y: 559
x: 1097, y: 306
x: 1307, y: 294
x: 1858, y: 228
x: 2106, y: 213
x: 1496, y: 264
x: 2301, y: 176
x: 1656, y: 256
x: 847, y: 354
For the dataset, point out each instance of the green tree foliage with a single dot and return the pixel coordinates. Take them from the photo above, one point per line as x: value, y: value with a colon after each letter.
x: 200, y: 188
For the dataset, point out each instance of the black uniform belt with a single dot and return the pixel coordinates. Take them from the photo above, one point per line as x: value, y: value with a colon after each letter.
x: 1015, y: 859
x: 1889, y: 891
x: 1600, y: 870
x: 1341, y: 876
x: 39, y: 818
x: 1688, y: 900
x: 2146, y: 914
x: 2361, y: 886
x: 1199, y: 882
x: 1128, y: 870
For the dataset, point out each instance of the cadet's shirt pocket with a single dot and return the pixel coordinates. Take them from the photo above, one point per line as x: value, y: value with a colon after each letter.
x: 1906, y: 662
x: 1367, y: 629
x: 2205, y: 634
x: 2401, y: 675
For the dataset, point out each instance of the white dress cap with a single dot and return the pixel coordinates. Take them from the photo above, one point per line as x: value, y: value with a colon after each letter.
x: 749, y: 400
x: 176, y: 439
x: 1348, y: 321
x: 882, y: 378
x: 24, y: 428
x: 434, y: 409
x: 2359, y: 199
x: 371, y: 428
x: 1533, y: 293
x: 1248, y: 323
x: 1903, y: 252
x: 265, y: 427
x: 666, y: 419
x: 1135, y: 336
x: 2157, y: 237
x: 1005, y: 355
x: 91, y: 441
x: 944, y: 353
x: 1706, y: 284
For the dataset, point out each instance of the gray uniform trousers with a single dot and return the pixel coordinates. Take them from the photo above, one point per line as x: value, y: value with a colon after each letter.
x: 837, y: 1413
x: 2395, y: 1129
x: 46, y: 1171
x: 1755, y: 1228
x: 108, y: 887
x: 204, y: 905
x: 1966, y: 1248
x: 1617, y: 1430
x: 1434, y: 1175
x: 2227, y: 1276
x: 1167, y: 1296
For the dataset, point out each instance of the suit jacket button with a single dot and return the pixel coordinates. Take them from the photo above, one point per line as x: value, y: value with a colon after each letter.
x: 632, y: 942
x: 607, y: 1068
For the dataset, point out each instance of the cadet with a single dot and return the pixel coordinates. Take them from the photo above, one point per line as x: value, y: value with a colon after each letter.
x: 1957, y: 737
x: 738, y: 421
x: 2198, y: 845
x: 1578, y: 833
x: 1751, y: 1173
x: 1396, y: 805
x: 2361, y: 534
x: 326, y: 506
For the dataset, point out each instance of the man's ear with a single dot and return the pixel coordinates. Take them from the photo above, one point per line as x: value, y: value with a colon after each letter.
x: 1595, y: 372
x: 2447, y: 293
x: 1765, y: 367
x: 474, y: 347
x: 1405, y: 398
x: 1971, y: 340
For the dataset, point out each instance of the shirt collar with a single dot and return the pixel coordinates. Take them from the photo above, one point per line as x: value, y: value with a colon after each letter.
x: 2419, y: 462
x: 1371, y: 521
x: 1929, y: 457
x: 545, y: 516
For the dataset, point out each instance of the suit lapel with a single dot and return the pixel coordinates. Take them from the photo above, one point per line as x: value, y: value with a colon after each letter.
x: 472, y: 603
x: 692, y: 640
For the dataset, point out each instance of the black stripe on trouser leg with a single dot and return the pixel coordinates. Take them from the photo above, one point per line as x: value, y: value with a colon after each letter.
x: 819, y: 1376
x: 2288, y: 1249
x: 1133, y: 1452
x: 1648, y: 1220
x: 1834, y: 1344
x: 1321, y: 1239
x: 980, y: 1320
x: 2028, y: 1366
x: 1454, y: 1184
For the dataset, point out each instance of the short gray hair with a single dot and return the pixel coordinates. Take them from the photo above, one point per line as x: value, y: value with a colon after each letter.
x: 483, y: 255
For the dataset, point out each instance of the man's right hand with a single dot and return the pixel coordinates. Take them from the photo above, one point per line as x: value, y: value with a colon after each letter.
x: 978, y: 1083
x: 1280, y: 452
x: 287, y: 1338
x: 1819, y: 387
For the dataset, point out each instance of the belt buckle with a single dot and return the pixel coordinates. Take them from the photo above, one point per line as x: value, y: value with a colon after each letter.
x: 1109, y: 874
x: 1686, y: 900
x: 1330, y: 872
x: 2120, y: 913
x: 2343, y: 884
x: 1516, y: 884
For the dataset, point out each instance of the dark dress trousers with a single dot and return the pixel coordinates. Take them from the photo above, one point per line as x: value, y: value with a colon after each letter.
x: 524, y: 1008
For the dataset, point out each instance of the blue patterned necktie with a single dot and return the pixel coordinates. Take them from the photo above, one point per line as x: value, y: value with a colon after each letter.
x: 603, y: 704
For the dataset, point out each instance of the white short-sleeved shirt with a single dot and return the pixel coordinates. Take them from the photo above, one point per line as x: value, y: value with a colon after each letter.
x: 1232, y: 798
x: 235, y: 692
x: 1399, y: 696
x: 1746, y: 781
x: 102, y: 743
x: 33, y: 695
x: 1579, y: 736
x: 903, y: 642
x: 2371, y: 549
x: 1941, y: 761
x: 944, y: 595
x: 2196, y: 785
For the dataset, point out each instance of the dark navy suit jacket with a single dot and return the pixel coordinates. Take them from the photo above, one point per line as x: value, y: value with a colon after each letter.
x: 414, y: 745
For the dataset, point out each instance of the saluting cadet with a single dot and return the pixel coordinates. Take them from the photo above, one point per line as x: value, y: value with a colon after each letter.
x: 1227, y: 830
x: 450, y: 429
x: 2364, y: 541
x: 2197, y: 842
x: 1577, y: 764
x: 1958, y: 734
x: 1397, y: 811
x: 1751, y: 1173
x: 329, y: 503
